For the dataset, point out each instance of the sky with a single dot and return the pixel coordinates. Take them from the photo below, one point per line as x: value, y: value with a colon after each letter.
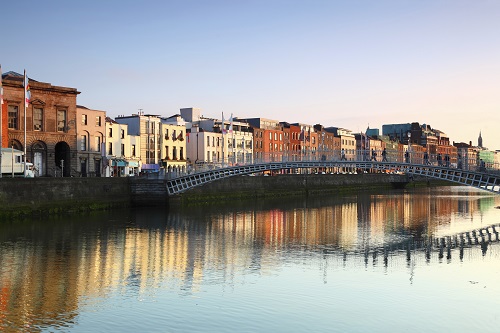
x: 351, y: 64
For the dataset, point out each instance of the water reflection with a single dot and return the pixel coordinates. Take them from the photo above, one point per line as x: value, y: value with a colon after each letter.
x: 52, y: 269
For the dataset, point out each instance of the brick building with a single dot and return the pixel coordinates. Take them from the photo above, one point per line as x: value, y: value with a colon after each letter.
x: 51, y: 139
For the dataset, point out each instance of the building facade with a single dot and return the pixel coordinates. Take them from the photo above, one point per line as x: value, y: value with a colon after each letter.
x: 91, y: 129
x: 173, y: 137
x: 51, y: 133
x: 122, y: 151
x: 148, y: 128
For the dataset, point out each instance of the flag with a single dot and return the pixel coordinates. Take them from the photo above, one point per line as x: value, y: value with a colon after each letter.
x: 231, y: 124
x: 223, y: 125
x: 1, y: 89
x: 27, y: 92
x: 187, y: 136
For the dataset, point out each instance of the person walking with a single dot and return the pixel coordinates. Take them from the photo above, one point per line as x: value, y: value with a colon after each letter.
x: 384, y: 155
x: 426, y: 159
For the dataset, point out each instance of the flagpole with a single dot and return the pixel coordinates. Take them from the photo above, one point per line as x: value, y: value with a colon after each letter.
x: 232, y: 139
x: 25, y: 106
x: 223, y: 142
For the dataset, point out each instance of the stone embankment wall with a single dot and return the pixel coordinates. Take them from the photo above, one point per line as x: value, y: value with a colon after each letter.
x: 65, y: 195
x: 287, y: 185
x: 20, y: 196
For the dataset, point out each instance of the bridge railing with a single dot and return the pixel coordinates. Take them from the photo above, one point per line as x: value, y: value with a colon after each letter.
x: 345, y: 158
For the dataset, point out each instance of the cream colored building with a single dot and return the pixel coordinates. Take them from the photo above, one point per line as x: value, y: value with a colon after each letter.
x: 211, y: 142
x: 122, y: 150
x: 90, y: 130
x: 173, y: 144
x: 148, y: 128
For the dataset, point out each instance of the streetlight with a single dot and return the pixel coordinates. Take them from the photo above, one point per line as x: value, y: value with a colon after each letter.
x: 409, y: 147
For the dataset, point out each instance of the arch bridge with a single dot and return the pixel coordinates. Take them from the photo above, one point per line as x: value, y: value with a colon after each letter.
x: 482, y: 179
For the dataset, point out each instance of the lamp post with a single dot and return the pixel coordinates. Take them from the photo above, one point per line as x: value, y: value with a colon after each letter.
x: 409, y: 147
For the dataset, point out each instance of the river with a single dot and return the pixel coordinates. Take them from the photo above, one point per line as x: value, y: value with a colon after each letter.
x: 370, y: 262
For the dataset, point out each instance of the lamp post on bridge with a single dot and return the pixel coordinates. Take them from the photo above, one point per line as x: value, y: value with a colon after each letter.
x: 409, y: 147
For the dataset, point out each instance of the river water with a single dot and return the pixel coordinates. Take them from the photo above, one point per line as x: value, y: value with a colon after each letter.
x: 358, y: 263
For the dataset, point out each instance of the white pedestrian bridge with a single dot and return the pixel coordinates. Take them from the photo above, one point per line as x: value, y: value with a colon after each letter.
x: 478, y: 177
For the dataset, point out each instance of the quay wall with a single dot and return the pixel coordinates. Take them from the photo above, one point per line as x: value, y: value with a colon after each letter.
x: 241, y: 187
x: 21, y: 196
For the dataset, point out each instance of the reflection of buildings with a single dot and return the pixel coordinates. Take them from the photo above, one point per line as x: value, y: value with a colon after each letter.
x: 46, y: 278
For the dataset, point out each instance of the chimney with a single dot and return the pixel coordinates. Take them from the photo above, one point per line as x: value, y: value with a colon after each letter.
x: 470, y: 143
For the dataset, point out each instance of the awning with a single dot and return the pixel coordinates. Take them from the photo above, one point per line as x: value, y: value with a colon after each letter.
x: 118, y: 163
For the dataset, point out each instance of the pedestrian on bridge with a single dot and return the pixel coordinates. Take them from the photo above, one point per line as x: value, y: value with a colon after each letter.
x: 384, y: 155
x: 426, y: 159
x: 342, y: 157
x: 374, y: 155
x: 440, y: 160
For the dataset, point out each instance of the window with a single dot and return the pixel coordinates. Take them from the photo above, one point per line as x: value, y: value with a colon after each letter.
x: 123, y: 149
x: 166, y: 153
x: 110, y: 148
x: 208, y: 141
x: 83, y: 143
x: 133, y: 150
x: 61, y: 121
x: 97, y: 121
x: 181, y: 153
x: 13, y: 116
x: 123, y: 134
x: 37, y: 119
x: 270, y: 136
x: 110, y: 132
x: 97, y: 143
x: 84, y: 119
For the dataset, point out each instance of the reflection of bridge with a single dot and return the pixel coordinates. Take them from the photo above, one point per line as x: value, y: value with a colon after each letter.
x: 482, y: 180
x: 443, y: 245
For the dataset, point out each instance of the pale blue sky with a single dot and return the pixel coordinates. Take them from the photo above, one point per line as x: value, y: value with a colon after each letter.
x: 339, y: 63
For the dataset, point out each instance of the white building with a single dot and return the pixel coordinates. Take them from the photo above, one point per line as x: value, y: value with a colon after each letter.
x: 122, y: 150
x: 212, y: 142
x: 148, y: 128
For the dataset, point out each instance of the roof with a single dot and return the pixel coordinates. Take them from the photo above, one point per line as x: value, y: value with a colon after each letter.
x: 10, y: 75
x: 110, y: 120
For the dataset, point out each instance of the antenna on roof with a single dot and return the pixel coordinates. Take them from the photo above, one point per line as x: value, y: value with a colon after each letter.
x: 140, y: 112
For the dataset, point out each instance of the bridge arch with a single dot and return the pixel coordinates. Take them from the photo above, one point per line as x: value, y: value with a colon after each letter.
x: 482, y: 180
